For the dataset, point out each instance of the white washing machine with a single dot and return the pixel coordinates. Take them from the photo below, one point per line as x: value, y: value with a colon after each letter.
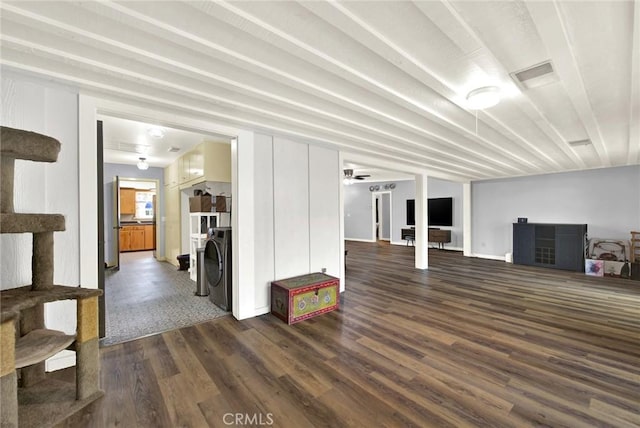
x: 217, y: 266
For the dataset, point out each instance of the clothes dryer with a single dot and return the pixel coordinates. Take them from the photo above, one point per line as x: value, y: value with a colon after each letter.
x: 217, y: 264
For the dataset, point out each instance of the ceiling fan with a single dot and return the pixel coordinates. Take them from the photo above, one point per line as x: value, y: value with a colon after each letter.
x: 349, y: 177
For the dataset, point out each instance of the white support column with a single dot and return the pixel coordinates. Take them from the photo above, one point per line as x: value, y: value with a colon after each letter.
x: 466, y: 219
x: 88, y: 178
x: 422, y: 223
x: 342, y: 249
x: 242, y: 225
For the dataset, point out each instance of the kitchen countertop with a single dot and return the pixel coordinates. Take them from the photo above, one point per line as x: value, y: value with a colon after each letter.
x: 137, y: 222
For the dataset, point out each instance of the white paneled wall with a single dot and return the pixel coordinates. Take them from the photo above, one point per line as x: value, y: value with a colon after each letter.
x: 288, y: 221
x: 263, y: 221
x: 40, y: 187
x: 291, y: 207
x: 324, y: 204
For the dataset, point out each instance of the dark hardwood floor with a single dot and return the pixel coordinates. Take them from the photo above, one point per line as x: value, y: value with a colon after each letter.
x: 469, y: 342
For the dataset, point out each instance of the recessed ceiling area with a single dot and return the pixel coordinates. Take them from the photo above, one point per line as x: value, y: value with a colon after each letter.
x: 383, y: 79
x: 125, y: 141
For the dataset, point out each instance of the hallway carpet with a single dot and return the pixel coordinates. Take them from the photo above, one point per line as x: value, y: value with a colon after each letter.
x: 148, y: 297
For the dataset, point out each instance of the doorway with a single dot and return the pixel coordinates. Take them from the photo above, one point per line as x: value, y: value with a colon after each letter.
x: 381, y: 216
x: 144, y: 294
x: 135, y: 214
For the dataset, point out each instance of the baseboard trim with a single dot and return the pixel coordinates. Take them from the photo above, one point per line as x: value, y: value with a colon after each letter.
x: 359, y: 240
x: 489, y: 257
x: 399, y: 243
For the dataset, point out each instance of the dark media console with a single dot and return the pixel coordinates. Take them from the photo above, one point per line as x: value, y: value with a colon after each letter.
x: 441, y: 237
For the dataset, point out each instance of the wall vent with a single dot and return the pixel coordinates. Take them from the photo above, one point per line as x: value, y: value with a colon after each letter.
x: 535, y: 76
x: 173, y: 149
x: 578, y: 143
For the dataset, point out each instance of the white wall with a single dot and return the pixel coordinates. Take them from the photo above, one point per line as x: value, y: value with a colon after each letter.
x: 384, y: 208
x: 35, y: 105
x: 607, y: 200
x: 357, y: 209
x: 324, y: 211
x: 357, y: 212
x: 291, y: 208
x: 288, y: 220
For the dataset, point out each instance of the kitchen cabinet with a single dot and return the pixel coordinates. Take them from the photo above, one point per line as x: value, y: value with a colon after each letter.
x: 125, y: 239
x: 127, y: 201
x: 149, y: 237
x: 196, y: 162
x: 191, y: 165
x: 171, y: 175
x: 183, y: 169
x: 208, y: 161
x: 173, y: 242
x: 137, y: 238
x: 216, y: 158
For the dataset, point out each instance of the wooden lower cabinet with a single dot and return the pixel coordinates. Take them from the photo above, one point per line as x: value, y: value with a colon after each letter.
x: 125, y: 240
x: 149, y: 237
x: 137, y: 238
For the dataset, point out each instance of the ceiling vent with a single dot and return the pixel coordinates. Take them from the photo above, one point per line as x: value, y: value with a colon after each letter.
x: 173, y: 149
x: 536, y: 76
x: 578, y: 143
x: 127, y: 147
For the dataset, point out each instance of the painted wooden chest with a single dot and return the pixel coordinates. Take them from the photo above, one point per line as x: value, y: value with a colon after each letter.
x: 301, y: 297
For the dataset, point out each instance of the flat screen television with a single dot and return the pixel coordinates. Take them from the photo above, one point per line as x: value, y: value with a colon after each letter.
x: 440, y: 212
x: 411, y: 212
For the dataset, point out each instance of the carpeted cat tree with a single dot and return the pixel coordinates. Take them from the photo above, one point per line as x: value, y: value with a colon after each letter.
x: 29, y: 396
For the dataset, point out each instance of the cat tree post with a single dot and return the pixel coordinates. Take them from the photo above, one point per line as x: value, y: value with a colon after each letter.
x: 8, y: 375
x: 26, y: 342
x: 6, y: 185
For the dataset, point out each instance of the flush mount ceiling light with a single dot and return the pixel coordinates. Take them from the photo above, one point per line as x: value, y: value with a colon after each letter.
x: 155, y: 132
x: 482, y: 98
x: 142, y: 164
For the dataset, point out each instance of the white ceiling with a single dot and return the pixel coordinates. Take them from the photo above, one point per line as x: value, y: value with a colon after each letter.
x: 125, y: 141
x: 386, y: 80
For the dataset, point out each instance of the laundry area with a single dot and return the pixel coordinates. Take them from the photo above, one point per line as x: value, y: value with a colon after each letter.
x: 167, y: 227
x: 210, y: 247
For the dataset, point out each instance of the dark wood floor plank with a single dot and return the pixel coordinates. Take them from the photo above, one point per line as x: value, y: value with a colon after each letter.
x: 469, y: 342
x: 157, y: 352
x: 194, y: 375
x: 150, y: 406
x: 181, y: 403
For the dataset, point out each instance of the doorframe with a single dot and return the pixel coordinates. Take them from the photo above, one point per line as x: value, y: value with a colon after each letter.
x: 102, y: 325
x: 380, y: 213
x: 89, y: 107
x: 156, y: 208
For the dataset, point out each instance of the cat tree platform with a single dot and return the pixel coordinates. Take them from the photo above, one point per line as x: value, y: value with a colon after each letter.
x: 31, y: 223
x: 46, y: 400
x: 29, y: 396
